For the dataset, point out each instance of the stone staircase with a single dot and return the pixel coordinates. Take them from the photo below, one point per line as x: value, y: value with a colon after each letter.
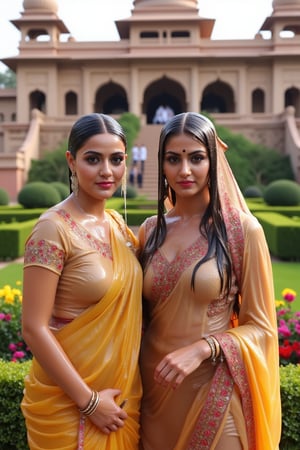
x: 149, y: 136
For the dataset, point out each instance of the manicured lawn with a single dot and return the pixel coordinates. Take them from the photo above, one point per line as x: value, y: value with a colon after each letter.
x: 10, y: 274
x: 286, y: 275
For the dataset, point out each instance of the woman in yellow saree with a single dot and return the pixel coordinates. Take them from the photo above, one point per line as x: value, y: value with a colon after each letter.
x: 82, y: 306
x: 209, y: 356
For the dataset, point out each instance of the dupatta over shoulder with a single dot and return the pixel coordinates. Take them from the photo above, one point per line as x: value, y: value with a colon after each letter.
x: 251, y: 346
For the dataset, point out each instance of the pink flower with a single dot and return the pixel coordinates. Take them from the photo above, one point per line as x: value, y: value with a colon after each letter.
x: 283, y: 329
x: 2, y: 316
x: 18, y: 355
x: 289, y: 295
x: 7, y: 317
x: 12, y: 347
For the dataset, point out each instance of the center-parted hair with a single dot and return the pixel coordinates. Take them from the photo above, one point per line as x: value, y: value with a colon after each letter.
x: 212, y: 225
x: 89, y: 125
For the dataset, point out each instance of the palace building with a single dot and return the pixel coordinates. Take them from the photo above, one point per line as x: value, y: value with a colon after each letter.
x: 165, y: 56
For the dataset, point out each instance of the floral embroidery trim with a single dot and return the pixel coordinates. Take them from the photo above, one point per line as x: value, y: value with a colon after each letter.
x: 102, y: 247
x: 44, y: 253
x: 212, y: 414
x: 167, y: 274
x: 235, y: 238
x: 238, y: 372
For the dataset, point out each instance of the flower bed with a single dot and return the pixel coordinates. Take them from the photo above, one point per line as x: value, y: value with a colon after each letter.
x: 12, y: 345
x: 288, y: 329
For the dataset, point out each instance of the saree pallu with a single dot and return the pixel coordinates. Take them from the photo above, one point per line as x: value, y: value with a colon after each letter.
x: 103, y: 345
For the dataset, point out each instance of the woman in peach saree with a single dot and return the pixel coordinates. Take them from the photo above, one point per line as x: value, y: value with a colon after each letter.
x: 209, y: 356
x: 82, y: 306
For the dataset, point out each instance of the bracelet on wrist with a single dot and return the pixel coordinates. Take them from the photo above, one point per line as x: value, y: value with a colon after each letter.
x: 92, y: 404
x: 215, y: 349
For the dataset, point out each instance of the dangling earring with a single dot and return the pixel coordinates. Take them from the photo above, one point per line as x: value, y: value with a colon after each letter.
x: 74, y: 184
x: 124, y: 192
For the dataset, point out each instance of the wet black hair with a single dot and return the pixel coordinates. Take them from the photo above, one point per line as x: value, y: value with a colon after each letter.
x: 212, y: 224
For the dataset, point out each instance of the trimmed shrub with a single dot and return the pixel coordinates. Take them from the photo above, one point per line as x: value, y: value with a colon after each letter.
x: 61, y: 188
x: 38, y: 194
x: 12, y: 423
x: 252, y: 192
x: 4, y: 198
x: 282, y: 193
x: 290, y: 398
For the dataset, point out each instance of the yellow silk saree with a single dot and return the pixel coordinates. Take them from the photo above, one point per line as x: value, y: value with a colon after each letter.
x: 103, y: 344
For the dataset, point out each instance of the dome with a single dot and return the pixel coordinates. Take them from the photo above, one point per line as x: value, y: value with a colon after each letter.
x: 44, y: 5
x: 285, y: 3
x: 189, y: 3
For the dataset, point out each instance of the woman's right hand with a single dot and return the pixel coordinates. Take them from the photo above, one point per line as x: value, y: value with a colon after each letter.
x: 108, y: 416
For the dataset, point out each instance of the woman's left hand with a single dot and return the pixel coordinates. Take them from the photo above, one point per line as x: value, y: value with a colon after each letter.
x: 176, y: 366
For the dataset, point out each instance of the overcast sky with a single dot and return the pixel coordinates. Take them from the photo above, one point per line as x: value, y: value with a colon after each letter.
x: 93, y: 20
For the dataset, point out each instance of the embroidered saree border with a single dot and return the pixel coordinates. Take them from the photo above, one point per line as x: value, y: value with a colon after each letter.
x: 213, y: 411
x: 238, y: 372
x: 227, y: 374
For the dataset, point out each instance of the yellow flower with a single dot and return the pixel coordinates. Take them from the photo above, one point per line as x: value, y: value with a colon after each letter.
x: 288, y: 291
x: 9, y: 298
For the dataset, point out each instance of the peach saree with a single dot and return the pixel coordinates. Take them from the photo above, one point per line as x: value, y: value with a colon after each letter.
x: 238, y: 396
x: 102, y: 343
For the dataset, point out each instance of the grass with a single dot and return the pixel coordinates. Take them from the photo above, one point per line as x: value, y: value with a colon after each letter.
x: 10, y: 274
x: 285, y: 274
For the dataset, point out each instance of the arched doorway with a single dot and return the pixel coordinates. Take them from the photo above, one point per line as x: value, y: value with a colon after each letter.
x: 218, y: 98
x: 292, y: 98
x: 111, y: 98
x: 164, y: 91
x: 37, y: 100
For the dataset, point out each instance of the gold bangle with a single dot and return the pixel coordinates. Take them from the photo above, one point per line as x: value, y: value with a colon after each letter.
x: 212, y: 347
x: 92, y: 404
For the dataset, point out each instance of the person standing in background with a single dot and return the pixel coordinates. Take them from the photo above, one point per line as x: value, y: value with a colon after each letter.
x: 134, y: 167
x: 143, y: 157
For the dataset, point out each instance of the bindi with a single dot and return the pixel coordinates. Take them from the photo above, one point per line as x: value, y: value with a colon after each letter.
x: 183, y: 150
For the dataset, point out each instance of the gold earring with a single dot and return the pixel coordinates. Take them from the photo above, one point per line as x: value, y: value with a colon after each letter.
x: 74, y: 184
x: 124, y: 192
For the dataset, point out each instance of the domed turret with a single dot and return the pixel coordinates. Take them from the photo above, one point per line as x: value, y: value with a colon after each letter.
x: 41, y: 5
x: 186, y: 3
x: 285, y: 2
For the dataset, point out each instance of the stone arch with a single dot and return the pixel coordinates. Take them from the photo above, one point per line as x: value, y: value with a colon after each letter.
x: 37, y: 100
x: 218, y: 97
x: 163, y: 91
x: 71, y: 103
x: 38, y: 34
x: 111, y: 98
x: 292, y: 98
x: 258, y: 101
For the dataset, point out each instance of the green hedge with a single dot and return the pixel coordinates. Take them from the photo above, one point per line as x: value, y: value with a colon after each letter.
x: 282, y: 234
x: 290, y: 400
x: 12, y: 425
x: 13, y: 237
x: 19, y: 214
